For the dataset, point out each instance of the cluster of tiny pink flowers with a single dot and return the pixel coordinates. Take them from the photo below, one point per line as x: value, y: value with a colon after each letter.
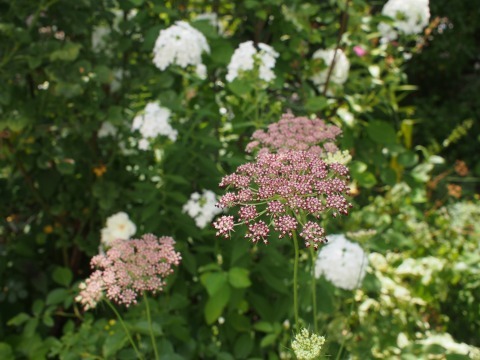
x: 290, y: 188
x: 129, y: 268
x: 296, y: 133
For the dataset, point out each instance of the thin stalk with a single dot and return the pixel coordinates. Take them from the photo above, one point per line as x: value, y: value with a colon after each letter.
x: 295, y: 282
x: 314, y: 290
x: 149, y: 318
x: 119, y: 317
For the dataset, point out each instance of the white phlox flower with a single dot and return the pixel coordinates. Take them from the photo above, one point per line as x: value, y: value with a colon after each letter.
x: 246, y: 56
x: 201, y: 207
x: 342, y: 262
x: 180, y: 44
x: 410, y: 17
x: 118, y: 226
x: 339, y: 73
x: 154, y: 121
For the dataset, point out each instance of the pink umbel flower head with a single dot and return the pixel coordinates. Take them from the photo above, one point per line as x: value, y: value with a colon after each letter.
x: 296, y: 133
x: 290, y: 189
x: 129, y: 268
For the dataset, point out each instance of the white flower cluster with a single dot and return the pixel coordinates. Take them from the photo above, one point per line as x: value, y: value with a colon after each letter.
x: 342, y: 262
x: 202, y: 207
x: 423, y: 267
x: 152, y: 123
x: 106, y: 130
x: 339, y: 73
x: 307, y: 346
x: 411, y: 17
x: 342, y: 157
x: 446, y: 341
x: 119, y: 226
x: 180, y: 44
x: 246, y: 57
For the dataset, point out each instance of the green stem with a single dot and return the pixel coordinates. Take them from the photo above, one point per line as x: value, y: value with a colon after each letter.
x: 295, y: 282
x: 314, y: 290
x: 119, y: 317
x: 149, y: 318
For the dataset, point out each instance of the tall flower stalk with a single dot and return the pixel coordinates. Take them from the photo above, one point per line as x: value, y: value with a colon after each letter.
x: 286, y: 192
x: 128, y: 269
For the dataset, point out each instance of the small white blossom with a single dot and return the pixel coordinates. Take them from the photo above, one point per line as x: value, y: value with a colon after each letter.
x: 410, y: 17
x: 307, y: 346
x: 180, y: 44
x: 202, y: 208
x: 246, y: 56
x: 154, y: 121
x: 201, y: 71
x: 118, y: 226
x: 448, y: 343
x: 339, y: 73
x: 342, y: 262
x: 100, y: 36
x: 106, y: 130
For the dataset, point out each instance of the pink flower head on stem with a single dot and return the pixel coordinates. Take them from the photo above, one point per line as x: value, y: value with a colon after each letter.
x: 129, y: 268
x: 290, y: 189
x: 296, y: 133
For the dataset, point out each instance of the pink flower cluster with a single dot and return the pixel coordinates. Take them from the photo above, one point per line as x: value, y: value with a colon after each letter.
x: 290, y: 188
x: 129, y: 268
x: 296, y: 133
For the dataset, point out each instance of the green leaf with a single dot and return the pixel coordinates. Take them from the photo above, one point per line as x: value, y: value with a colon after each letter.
x: 421, y: 173
x: 214, y: 281
x: 263, y: 326
x: 316, y: 104
x: 366, y: 179
x: 18, y: 319
x: 407, y: 158
x: 68, y: 52
x: 57, y: 296
x: 215, y: 304
x: 243, y: 346
x: 62, y: 276
x: 381, y: 132
x: 239, y: 87
x: 238, y: 278
x: 357, y: 167
x: 6, y: 352
x: 68, y: 90
x: 113, y: 343
x: 268, y: 340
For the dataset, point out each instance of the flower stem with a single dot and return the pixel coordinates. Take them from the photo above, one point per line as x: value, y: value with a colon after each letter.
x: 119, y: 317
x: 314, y: 290
x: 149, y: 318
x: 295, y: 282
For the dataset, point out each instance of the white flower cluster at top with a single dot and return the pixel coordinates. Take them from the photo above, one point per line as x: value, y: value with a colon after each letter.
x: 202, y: 207
x: 246, y: 57
x: 307, y: 346
x: 153, y: 122
x: 118, y: 226
x: 339, y: 73
x: 180, y: 44
x: 342, y: 262
x: 411, y: 17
